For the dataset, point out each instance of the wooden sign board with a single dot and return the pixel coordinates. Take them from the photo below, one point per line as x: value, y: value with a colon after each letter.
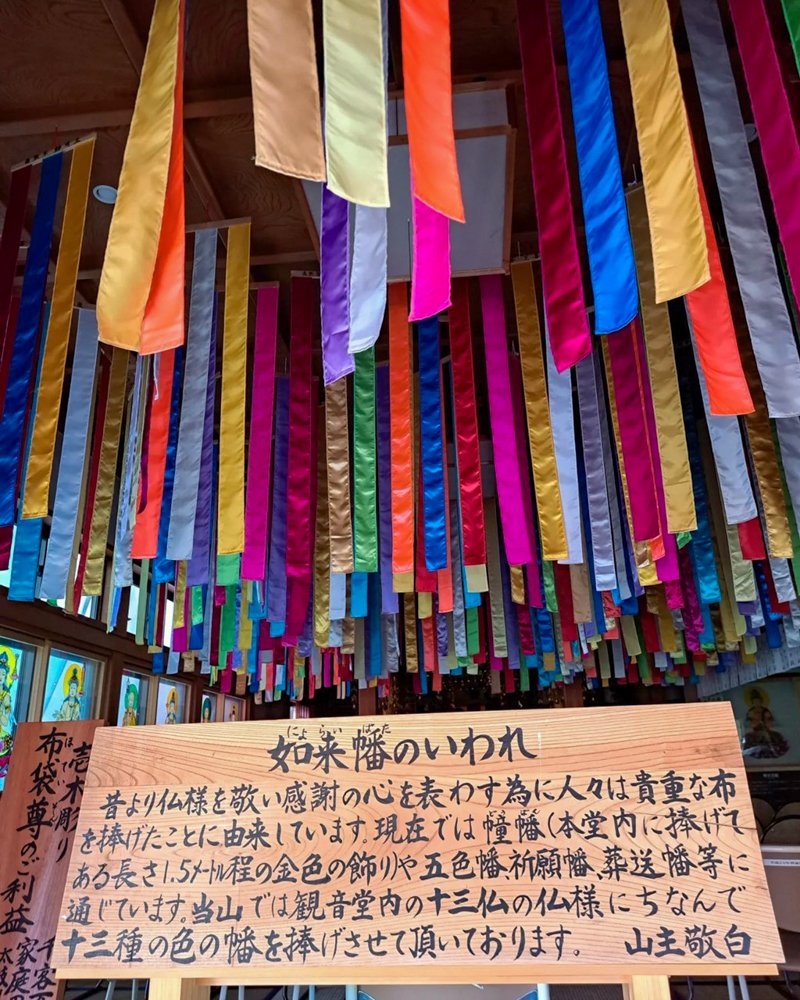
x: 38, y: 816
x: 485, y: 847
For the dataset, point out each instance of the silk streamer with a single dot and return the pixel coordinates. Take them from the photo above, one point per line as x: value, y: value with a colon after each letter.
x: 133, y: 239
x: 714, y: 334
x: 190, y: 433
x: 23, y: 348
x: 608, y: 240
x: 104, y: 492
x: 561, y: 272
x: 299, y: 500
x: 55, y: 576
x: 389, y: 602
x: 123, y: 533
x: 772, y: 114
x: 259, y: 456
x: 334, y: 287
x: 729, y: 458
x: 198, y: 568
x: 368, y: 277
x: 276, y: 584
x: 562, y: 420
x: 355, y: 101
x: 680, y: 255
x: 595, y: 474
x: 496, y: 605
x: 13, y: 223
x: 230, y: 497
x: 467, y: 442
x: 430, y: 278
x: 163, y: 567
x: 532, y: 570
x: 365, y: 486
x: 751, y: 247
x: 428, y: 94
x: 338, y: 452
x: 322, y: 558
x: 151, y: 492
x: 402, y: 437
x: 675, y: 469
x: 286, y: 104
x: 537, y: 410
x: 627, y: 377
x: 430, y: 409
x: 504, y: 442
x: 48, y: 399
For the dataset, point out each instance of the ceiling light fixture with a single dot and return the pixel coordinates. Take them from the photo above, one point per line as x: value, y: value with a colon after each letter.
x: 105, y: 194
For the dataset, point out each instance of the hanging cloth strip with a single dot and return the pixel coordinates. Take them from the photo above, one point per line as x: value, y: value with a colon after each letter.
x: 402, y: 438
x: 504, y: 441
x: 301, y: 412
x: 365, y: 485
x: 48, y: 399
x: 729, y: 458
x: 672, y: 448
x: 772, y: 114
x: 197, y: 570
x: 163, y: 567
x: 467, y: 442
x: 337, y: 442
x: 23, y: 348
x: 259, y: 455
x: 134, y: 243
x: 13, y: 223
x: 322, y: 552
x: 131, y: 464
x: 433, y: 472
x: 154, y: 460
x: 562, y: 420
x: 230, y: 497
x: 680, y: 256
x: 430, y: 278
x: 55, y: 576
x: 715, y: 336
x: 540, y: 433
x: 428, y: 95
x: 283, y: 72
x: 627, y: 377
x: 791, y: 12
x: 190, y: 435
x: 746, y: 227
x: 608, y: 240
x: 90, y: 481
x: 605, y: 573
x: 532, y: 570
x: 335, y: 292
x: 561, y: 271
x: 104, y: 493
x: 389, y: 602
x: 355, y: 101
x: 276, y: 587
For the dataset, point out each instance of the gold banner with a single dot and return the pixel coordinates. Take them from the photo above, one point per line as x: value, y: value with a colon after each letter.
x: 337, y: 440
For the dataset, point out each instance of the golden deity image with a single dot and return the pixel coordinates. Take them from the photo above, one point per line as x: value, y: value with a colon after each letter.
x: 8, y: 675
x: 172, y: 708
x: 131, y: 705
x: 73, y: 690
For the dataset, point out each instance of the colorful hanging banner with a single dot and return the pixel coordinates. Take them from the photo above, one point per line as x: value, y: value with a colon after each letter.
x: 301, y: 412
x: 131, y: 465
x: 334, y: 287
x: 337, y: 443
x: 430, y: 436
x: 365, y: 548
x: 197, y: 570
x: 259, y: 455
x: 106, y: 478
x: 680, y: 256
x: 677, y: 476
x: 562, y: 421
x: 780, y: 149
x: 276, y: 583
x: 746, y: 227
x: 26, y: 336
x: 48, y: 398
x: 91, y: 475
x: 355, y: 101
x: 283, y: 73
x: 55, y: 575
x: 540, y: 433
x: 504, y: 442
x: 368, y: 277
x: 467, y: 441
x: 134, y: 244
x: 428, y: 96
x: 430, y: 278
x: 389, y: 602
x: 230, y: 494
x: 608, y: 240
x: 561, y: 270
x: 400, y: 367
x: 13, y: 223
x: 163, y: 567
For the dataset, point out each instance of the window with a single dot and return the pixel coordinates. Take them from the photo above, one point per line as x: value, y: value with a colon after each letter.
x: 132, y: 708
x: 69, y: 688
x: 17, y: 661
x: 171, y: 704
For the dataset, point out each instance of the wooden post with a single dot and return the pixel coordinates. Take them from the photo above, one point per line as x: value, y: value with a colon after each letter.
x: 178, y: 989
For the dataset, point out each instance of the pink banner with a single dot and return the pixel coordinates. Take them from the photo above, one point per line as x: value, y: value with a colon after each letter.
x: 504, y: 438
x: 259, y: 457
x: 298, y: 485
x: 430, y: 277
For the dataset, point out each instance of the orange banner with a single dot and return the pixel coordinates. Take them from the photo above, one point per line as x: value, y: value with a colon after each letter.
x: 145, y: 532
